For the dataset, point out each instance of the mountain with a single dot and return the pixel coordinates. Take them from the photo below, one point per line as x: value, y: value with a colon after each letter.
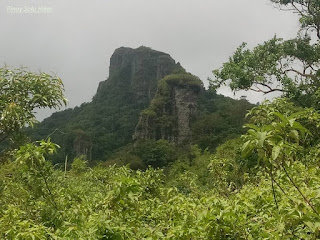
x: 147, y: 96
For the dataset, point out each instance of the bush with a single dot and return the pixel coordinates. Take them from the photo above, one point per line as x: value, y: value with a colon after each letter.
x: 79, y: 165
x: 155, y: 153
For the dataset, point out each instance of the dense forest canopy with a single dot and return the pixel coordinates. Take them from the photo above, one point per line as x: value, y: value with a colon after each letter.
x: 220, y: 185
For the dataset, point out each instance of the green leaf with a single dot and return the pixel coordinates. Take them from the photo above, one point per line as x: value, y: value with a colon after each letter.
x: 261, y: 138
x: 282, y: 117
x: 247, y: 149
x: 275, y: 152
x: 301, y: 128
x: 252, y: 126
x: 292, y: 121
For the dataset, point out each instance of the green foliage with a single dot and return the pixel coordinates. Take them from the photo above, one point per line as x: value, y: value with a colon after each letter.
x: 283, y: 136
x: 126, y: 156
x: 288, y: 66
x: 79, y: 165
x: 270, y: 112
x: 156, y: 153
x: 149, y: 112
x: 183, y: 80
x: 204, y: 196
x: 283, y: 143
x: 219, y: 119
x: 274, y: 64
x: 118, y: 203
x: 21, y: 92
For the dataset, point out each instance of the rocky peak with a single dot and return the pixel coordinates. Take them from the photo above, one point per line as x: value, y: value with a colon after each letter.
x: 143, y: 68
x: 119, y: 59
x: 140, y: 58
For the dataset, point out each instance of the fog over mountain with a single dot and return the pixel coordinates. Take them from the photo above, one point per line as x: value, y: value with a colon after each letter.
x: 75, y: 39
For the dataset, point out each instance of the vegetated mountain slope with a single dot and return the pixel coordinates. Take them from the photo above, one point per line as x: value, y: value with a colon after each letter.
x: 219, y: 119
x: 143, y: 81
x: 108, y: 122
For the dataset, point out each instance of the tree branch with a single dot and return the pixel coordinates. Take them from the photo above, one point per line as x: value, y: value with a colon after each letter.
x: 48, y: 189
x: 298, y: 189
x: 273, y: 191
x: 300, y: 73
x: 267, y: 86
x: 297, y: 9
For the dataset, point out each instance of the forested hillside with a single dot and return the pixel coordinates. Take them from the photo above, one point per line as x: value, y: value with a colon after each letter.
x: 203, y: 182
x: 139, y: 79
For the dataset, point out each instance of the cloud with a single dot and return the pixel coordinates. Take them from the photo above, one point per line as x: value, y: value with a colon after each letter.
x: 77, y: 38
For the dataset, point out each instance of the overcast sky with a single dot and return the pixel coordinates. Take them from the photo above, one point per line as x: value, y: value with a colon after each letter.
x: 76, y: 38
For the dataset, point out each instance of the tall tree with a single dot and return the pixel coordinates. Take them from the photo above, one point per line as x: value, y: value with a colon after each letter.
x: 287, y: 66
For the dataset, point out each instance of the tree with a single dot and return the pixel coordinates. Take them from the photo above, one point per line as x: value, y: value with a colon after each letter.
x: 309, y: 11
x: 21, y: 93
x: 290, y: 67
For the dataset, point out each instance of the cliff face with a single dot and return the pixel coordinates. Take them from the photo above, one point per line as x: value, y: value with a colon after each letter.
x: 185, y: 107
x: 171, y: 111
x: 138, y: 58
x: 138, y: 70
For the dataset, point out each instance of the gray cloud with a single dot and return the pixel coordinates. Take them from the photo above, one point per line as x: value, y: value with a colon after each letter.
x: 77, y: 38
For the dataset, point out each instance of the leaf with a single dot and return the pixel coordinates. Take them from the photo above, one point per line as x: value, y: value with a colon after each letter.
x: 310, y: 225
x: 251, y: 126
x: 292, y: 121
x: 301, y: 128
x: 282, y: 117
x: 247, y: 149
x: 275, y: 152
x: 261, y: 138
x: 295, y: 135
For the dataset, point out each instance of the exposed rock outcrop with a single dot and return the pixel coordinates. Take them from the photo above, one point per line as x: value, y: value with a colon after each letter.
x: 171, y: 111
x: 185, y: 108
